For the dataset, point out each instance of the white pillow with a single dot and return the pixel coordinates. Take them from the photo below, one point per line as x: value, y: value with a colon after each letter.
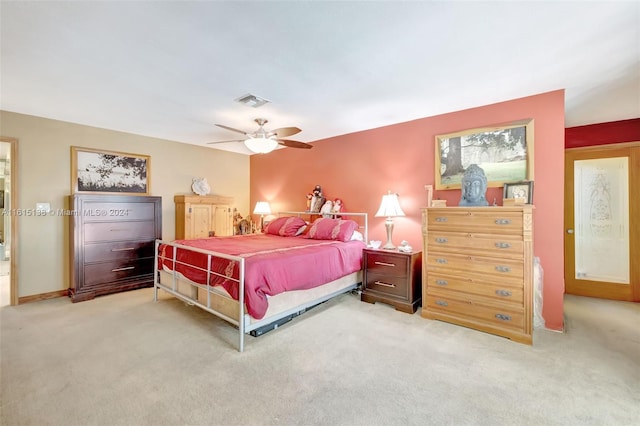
x: 357, y: 236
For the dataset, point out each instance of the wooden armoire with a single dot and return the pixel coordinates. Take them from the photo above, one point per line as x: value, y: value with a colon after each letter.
x: 203, y: 216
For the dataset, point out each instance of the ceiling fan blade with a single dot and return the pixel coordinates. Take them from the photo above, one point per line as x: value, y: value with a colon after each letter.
x: 294, y: 144
x: 232, y: 129
x: 234, y: 140
x: 283, y: 132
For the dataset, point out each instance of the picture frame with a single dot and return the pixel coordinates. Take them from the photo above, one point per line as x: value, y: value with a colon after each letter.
x: 429, y: 189
x: 523, y: 189
x: 504, y: 152
x: 97, y: 171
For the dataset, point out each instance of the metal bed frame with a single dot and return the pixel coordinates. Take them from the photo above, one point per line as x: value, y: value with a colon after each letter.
x: 243, y: 321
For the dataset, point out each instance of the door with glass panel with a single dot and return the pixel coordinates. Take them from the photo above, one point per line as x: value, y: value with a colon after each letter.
x: 602, y: 222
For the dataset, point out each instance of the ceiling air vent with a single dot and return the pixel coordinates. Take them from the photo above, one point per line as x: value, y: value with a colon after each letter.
x: 252, y: 100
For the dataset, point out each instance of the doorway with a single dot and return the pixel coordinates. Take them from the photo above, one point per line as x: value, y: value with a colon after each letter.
x: 8, y: 185
x: 602, y: 221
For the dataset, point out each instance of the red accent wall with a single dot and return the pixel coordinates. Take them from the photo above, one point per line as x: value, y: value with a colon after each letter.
x: 603, y: 133
x: 360, y: 167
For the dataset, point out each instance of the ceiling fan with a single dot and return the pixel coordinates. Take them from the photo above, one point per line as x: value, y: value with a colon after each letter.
x: 262, y: 141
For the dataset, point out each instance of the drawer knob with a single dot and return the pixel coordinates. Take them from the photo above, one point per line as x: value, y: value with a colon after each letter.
x: 384, y: 284
x: 123, y: 269
x: 441, y: 260
x: 503, y: 317
x: 503, y: 221
x: 442, y: 240
x: 441, y: 219
x: 385, y: 264
x: 441, y: 303
x: 501, y: 268
x: 442, y: 282
x: 505, y: 293
x: 503, y: 245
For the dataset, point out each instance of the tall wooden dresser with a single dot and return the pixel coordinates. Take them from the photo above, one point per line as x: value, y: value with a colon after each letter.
x: 478, y: 268
x: 202, y: 216
x: 112, y: 243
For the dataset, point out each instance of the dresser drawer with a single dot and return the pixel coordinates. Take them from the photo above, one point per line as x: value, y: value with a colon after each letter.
x: 502, y: 293
x: 510, y: 246
x: 120, y: 250
x: 488, y: 220
x: 448, y: 263
x: 503, y: 316
x: 98, y: 211
x: 119, y: 231
x: 100, y: 273
x: 387, y: 264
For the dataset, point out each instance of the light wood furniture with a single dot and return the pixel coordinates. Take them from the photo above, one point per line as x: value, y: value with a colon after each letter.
x: 112, y: 242
x: 203, y: 216
x: 478, y: 268
x: 392, y: 277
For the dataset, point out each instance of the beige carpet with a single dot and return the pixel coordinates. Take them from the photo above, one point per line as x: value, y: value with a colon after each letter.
x: 126, y: 360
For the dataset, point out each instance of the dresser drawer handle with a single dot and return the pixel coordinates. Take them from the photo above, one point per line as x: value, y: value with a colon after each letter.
x: 124, y: 249
x: 501, y: 268
x: 505, y: 293
x: 441, y: 303
x: 385, y: 264
x: 503, y: 245
x: 441, y: 261
x: 117, y: 229
x: 503, y: 317
x: 442, y: 282
x: 441, y: 240
x: 441, y: 219
x: 503, y: 221
x: 123, y: 269
x: 384, y: 284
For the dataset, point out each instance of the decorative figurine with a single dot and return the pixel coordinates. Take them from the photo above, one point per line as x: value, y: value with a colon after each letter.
x: 474, y: 187
x: 317, y: 199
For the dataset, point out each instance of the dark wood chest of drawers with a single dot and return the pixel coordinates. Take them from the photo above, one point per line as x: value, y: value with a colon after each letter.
x: 112, y: 243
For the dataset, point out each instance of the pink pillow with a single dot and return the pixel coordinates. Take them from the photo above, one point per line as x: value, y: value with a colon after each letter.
x: 284, y: 226
x: 331, y: 229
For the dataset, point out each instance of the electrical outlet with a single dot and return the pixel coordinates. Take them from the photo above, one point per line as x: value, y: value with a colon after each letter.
x: 43, y: 207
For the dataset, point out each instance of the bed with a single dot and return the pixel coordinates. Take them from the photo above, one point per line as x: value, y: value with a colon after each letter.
x: 256, y: 282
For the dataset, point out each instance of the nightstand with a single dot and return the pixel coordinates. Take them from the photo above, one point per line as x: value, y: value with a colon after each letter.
x: 392, y: 277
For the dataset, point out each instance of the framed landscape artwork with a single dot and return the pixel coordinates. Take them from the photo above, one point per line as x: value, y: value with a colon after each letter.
x: 109, y: 172
x: 504, y: 152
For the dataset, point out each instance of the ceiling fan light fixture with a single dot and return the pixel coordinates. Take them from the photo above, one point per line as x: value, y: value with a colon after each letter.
x: 261, y: 145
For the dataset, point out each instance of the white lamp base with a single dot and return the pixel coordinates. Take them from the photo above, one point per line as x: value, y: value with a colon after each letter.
x: 389, y: 225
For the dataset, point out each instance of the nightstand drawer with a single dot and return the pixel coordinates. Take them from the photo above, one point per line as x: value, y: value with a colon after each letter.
x: 387, y: 264
x: 388, y: 284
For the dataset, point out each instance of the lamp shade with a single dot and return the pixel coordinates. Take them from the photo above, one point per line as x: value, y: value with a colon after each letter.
x: 261, y: 145
x: 390, y: 206
x: 262, y: 207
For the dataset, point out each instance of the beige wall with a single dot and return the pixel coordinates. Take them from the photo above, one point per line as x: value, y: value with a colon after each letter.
x: 44, y: 163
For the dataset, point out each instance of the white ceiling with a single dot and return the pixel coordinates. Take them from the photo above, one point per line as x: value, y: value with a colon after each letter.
x: 173, y: 69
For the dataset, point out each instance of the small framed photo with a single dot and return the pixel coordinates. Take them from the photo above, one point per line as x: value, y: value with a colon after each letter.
x: 522, y: 190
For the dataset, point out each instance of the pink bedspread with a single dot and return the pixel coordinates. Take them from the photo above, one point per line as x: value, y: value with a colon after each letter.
x: 273, y: 264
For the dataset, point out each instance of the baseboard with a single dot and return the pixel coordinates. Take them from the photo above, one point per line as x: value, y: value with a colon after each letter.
x: 43, y: 296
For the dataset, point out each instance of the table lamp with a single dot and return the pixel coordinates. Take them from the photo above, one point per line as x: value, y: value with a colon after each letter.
x: 389, y: 207
x: 262, y: 208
